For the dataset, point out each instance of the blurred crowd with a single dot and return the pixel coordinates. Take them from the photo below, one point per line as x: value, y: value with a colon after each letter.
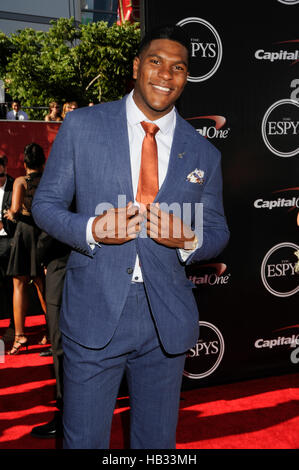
x: 55, y: 113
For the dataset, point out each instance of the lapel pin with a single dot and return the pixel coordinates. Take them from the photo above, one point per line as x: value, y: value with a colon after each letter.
x: 181, y: 155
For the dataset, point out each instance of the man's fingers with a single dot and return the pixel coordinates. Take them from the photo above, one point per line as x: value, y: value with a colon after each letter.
x: 152, y: 230
x: 153, y: 209
x: 132, y: 210
x: 153, y: 216
x: 136, y: 219
x: 125, y: 223
x: 134, y: 224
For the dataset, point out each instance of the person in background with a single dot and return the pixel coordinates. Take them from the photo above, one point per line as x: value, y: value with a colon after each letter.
x: 55, y: 259
x: 69, y: 106
x: 7, y: 229
x: 16, y: 114
x: 23, y: 265
x: 54, y: 112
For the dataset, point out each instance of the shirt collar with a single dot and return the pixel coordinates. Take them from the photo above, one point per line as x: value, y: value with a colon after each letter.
x: 135, y: 116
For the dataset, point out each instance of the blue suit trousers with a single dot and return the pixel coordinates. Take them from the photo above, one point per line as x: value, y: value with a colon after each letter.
x: 92, y: 378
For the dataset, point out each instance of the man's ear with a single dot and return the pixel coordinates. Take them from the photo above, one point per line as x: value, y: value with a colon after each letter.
x: 136, y: 63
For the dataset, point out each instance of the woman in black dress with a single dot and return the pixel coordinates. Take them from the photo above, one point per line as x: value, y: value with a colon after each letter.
x: 23, y: 263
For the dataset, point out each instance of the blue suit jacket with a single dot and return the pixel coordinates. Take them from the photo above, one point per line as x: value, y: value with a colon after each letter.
x: 90, y: 160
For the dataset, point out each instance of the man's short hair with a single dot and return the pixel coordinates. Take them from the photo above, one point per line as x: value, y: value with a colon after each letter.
x: 171, y: 32
x: 3, y: 160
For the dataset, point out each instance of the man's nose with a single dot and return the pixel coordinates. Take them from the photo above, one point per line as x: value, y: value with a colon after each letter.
x: 165, y: 72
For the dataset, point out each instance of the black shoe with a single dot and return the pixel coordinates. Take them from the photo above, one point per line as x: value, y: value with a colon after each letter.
x: 49, y: 430
x: 46, y: 353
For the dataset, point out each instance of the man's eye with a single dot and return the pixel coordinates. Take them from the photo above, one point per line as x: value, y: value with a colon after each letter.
x: 155, y: 61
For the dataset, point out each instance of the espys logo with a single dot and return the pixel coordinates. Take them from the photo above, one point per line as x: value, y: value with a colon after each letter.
x: 280, y: 128
x: 210, y: 126
x: 205, y: 357
x: 289, y: 2
x: 278, y: 270
x: 206, y: 48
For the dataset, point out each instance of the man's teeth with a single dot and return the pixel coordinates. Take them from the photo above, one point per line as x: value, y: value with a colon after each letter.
x: 161, y: 88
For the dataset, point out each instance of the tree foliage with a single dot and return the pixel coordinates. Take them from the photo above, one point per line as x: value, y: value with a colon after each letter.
x: 84, y: 63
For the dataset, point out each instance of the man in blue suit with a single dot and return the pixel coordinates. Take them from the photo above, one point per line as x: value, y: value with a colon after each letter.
x: 127, y: 304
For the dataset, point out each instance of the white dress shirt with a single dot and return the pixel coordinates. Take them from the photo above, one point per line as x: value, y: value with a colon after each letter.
x: 136, y: 135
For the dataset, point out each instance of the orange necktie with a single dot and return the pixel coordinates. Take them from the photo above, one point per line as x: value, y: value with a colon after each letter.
x: 148, y: 184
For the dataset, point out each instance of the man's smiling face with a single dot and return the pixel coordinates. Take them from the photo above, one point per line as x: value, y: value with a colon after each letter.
x: 161, y: 74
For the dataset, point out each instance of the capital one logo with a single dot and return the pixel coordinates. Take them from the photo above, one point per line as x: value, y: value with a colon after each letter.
x: 278, y: 270
x: 280, y: 128
x: 290, y: 203
x: 211, y: 274
x: 206, y: 48
x: 282, y: 54
x: 210, y: 126
x: 205, y: 357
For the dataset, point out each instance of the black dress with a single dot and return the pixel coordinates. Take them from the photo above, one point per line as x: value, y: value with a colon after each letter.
x: 24, y: 259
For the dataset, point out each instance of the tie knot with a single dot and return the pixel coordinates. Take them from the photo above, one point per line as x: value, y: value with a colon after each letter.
x: 150, y: 127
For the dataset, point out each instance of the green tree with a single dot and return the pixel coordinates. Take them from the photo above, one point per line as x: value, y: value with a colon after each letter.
x: 6, y: 50
x: 91, y: 62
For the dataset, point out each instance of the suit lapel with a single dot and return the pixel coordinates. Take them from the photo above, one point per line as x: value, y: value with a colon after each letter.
x: 178, y: 160
x: 119, y: 144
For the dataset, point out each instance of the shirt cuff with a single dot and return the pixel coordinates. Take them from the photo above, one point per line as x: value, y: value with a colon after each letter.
x: 184, y: 254
x: 89, y: 237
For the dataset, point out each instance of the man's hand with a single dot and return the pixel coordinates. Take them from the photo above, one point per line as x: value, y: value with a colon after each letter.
x: 168, y: 229
x: 117, y: 226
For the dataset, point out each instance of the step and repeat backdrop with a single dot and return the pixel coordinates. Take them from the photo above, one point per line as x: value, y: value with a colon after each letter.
x: 243, y: 96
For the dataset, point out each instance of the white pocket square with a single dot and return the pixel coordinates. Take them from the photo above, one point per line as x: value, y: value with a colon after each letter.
x: 196, y: 176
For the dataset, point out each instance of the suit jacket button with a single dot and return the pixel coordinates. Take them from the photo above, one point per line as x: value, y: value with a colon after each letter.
x: 130, y: 270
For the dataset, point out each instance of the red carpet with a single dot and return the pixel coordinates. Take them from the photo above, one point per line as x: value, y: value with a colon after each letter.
x: 256, y: 414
